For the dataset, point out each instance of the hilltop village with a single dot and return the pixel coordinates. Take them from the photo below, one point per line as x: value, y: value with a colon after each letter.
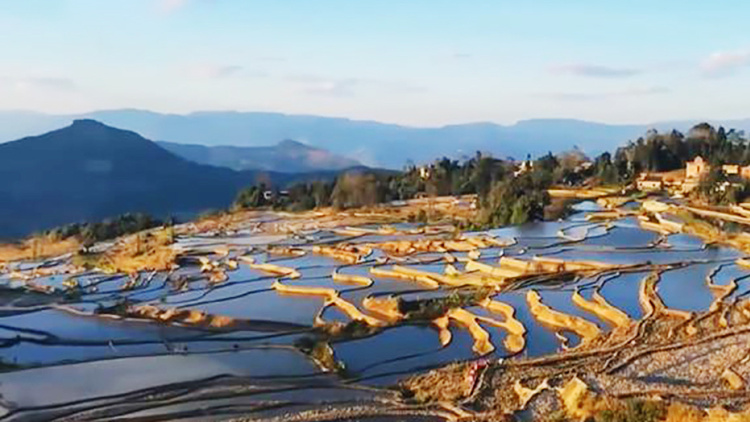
x: 682, y: 182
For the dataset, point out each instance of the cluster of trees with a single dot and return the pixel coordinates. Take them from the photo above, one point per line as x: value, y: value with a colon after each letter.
x: 451, y: 177
x: 252, y: 197
x: 656, y: 152
x: 515, y: 200
x: 719, y: 189
x: 349, y: 190
x: 507, y: 196
x: 106, y: 229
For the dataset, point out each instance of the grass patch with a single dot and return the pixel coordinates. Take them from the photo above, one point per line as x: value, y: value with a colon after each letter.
x: 634, y: 411
x: 429, y: 309
x: 36, y: 247
x: 149, y: 251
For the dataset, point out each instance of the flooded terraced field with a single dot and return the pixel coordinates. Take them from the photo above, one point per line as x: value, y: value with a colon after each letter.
x: 262, y: 326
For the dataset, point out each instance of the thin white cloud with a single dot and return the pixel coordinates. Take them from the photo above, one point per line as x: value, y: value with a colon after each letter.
x: 461, y: 56
x: 453, y: 57
x: 349, y: 87
x: 723, y: 63
x: 38, y: 83
x: 594, y: 96
x: 212, y: 71
x: 330, y: 87
x: 270, y: 59
x: 171, y: 6
x: 594, y: 71
x: 339, y: 88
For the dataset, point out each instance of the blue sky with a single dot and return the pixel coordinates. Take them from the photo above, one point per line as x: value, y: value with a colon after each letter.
x: 413, y: 62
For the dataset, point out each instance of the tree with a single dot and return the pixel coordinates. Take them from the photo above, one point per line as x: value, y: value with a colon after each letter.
x: 251, y: 197
x: 605, y: 170
x: 516, y: 200
x: 321, y: 192
x: 716, y: 188
x: 356, y: 190
x: 659, y: 152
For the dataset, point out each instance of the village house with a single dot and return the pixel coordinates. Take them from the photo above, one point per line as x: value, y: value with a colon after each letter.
x: 730, y: 169
x: 683, y: 183
x: 424, y: 172
x: 696, y: 168
x: 526, y: 165
x: 270, y: 195
x: 649, y: 182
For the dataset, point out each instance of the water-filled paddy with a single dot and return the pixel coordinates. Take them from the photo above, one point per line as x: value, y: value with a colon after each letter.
x: 43, y: 344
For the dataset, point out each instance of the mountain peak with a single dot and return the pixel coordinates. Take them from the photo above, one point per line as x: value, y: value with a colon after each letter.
x: 87, y: 123
x: 88, y: 139
x: 291, y: 143
x: 89, y: 170
x: 92, y: 130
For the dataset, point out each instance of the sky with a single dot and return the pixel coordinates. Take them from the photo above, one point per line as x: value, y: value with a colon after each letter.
x: 413, y: 62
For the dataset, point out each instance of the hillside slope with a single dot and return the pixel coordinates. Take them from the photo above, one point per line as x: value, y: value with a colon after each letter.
x: 89, y: 171
x: 287, y: 156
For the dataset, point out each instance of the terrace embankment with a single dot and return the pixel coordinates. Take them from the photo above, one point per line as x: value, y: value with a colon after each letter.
x: 376, y: 303
x: 707, y: 222
x: 37, y: 247
x: 588, y: 331
x: 602, y: 309
x: 583, y: 193
x: 692, y: 370
x: 446, y: 209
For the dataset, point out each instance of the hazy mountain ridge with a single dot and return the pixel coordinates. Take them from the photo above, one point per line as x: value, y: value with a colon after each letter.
x: 287, y: 156
x: 89, y: 171
x: 369, y: 142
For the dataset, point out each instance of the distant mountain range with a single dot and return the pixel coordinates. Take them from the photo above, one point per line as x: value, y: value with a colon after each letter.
x: 287, y: 156
x: 371, y: 143
x: 89, y: 171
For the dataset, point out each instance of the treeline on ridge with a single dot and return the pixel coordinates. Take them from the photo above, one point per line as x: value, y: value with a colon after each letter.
x: 508, y: 191
x: 659, y: 152
x: 514, y: 192
x: 505, y: 196
x: 91, y: 232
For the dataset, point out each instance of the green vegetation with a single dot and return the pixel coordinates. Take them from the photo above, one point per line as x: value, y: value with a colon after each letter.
x: 605, y: 171
x: 718, y: 188
x: 634, y: 411
x: 353, y: 190
x: 513, y: 192
x: 322, y: 353
x: 251, y: 197
x: 557, y: 416
x: 318, y: 344
x: 429, y: 309
x: 505, y: 197
x: 658, y: 152
x: 299, y: 197
x: 8, y: 366
x: 106, y: 229
x: 366, y: 188
x: 515, y: 201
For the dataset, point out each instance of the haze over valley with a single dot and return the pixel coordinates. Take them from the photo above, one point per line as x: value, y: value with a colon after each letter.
x: 365, y: 142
